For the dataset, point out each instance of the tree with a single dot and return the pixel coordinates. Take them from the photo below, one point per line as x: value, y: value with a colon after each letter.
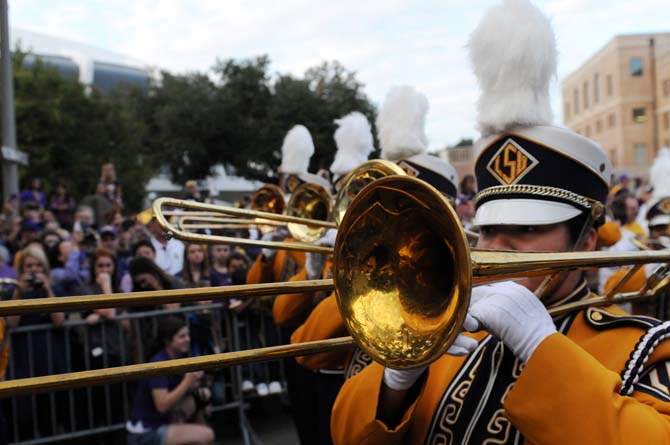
x: 240, y: 118
x: 69, y: 134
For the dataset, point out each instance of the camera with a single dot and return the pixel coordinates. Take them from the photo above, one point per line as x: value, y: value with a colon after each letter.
x: 35, y: 282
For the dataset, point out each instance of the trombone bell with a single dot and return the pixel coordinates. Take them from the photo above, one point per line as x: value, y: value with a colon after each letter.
x: 403, y: 272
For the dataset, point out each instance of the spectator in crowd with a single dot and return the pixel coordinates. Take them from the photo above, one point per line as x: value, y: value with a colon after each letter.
x: 110, y: 241
x: 111, y: 186
x: 468, y: 187
x: 159, y: 399
x: 147, y: 276
x: 624, y: 209
x: 84, y: 219
x: 219, y: 274
x: 68, y: 266
x: 6, y: 269
x: 195, y: 269
x: 30, y: 359
x: 465, y: 208
x: 34, y: 193
x: 142, y: 248
x: 191, y: 191
x: 51, y: 238
x: 29, y: 230
x: 169, y: 252
x: 102, y: 207
x: 237, y: 260
x: 105, y: 336
x: 62, y: 205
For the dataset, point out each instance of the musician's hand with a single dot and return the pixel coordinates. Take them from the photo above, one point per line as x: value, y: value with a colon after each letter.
x: 514, y: 314
x: 271, y: 236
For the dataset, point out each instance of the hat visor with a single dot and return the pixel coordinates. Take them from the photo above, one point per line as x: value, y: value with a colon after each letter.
x: 523, y: 212
x: 660, y: 220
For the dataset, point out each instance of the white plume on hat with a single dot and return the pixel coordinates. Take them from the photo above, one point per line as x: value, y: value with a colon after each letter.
x: 296, y: 150
x: 659, y: 173
x: 401, y: 123
x: 353, y: 138
x: 513, y: 54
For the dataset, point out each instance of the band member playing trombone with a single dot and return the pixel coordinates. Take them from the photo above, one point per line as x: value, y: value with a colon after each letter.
x: 280, y: 265
x: 593, y: 376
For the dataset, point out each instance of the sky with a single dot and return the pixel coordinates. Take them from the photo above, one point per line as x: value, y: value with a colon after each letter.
x: 386, y: 42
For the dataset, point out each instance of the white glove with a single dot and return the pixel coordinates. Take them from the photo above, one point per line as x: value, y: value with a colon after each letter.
x: 276, y: 235
x: 328, y: 238
x: 314, y: 262
x: 403, y: 379
x: 514, y: 314
x: 253, y: 233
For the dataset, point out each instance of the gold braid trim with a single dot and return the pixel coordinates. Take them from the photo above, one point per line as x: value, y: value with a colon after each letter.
x: 537, y: 190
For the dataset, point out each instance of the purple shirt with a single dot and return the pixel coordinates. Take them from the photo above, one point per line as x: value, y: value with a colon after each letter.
x: 144, y: 409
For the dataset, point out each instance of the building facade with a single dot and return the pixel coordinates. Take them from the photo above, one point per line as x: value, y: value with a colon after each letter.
x: 620, y: 97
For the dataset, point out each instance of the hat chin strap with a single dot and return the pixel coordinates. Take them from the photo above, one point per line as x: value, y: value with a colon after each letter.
x: 551, y: 282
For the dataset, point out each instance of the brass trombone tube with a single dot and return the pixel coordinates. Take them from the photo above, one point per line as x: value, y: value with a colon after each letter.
x: 36, y: 305
x: 487, y: 266
x: 220, y: 210
x: 213, y: 222
x: 60, y: 382
x: 199, y: 238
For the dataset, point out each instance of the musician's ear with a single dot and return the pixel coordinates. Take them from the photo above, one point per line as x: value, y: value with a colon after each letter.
x: 591, y: 240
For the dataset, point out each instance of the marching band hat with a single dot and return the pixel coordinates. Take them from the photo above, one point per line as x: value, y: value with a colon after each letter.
x: 528, y: 172
x: 401, y: 123
x: 353, y: 138
x: 659, y: 180
x: 435, y: 171
x: 296, y: 150
x: 659, y: 212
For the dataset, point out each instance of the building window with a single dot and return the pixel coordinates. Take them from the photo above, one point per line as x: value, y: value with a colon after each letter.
x: 640, y: 154
x: 666, y: 88
x: 666, y: 120
x: 666, y: 143
x: 636, y: 68
x: 599, y: 126
x: 613, y: 157
x: 596, y: 88
x: 585, y: 93
x: 587, y: 132
x: 639, y: 115
x: 575, y: 97
x: 566, y: 111
x: 609, y: 85
x: 611, y: 120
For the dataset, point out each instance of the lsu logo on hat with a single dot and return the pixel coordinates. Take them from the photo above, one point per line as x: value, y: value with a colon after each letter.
x: 409, y: 169
x: 664, y: 206
x: 511, y: 163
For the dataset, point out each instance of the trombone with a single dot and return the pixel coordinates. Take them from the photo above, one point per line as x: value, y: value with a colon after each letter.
x: 308, y: 218
x: 403, y: 277
x: 308, y: 198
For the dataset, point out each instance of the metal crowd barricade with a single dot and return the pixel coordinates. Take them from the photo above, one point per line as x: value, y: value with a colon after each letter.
x: 83, y: 412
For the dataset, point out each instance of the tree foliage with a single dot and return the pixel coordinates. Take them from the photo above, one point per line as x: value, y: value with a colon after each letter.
x: 239, y: 115
x: 69, y: 134
x: 236, y: 115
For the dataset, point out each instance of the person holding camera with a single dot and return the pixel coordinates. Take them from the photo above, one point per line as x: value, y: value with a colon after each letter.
x: 32, y: 351
x: 164, y: 406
